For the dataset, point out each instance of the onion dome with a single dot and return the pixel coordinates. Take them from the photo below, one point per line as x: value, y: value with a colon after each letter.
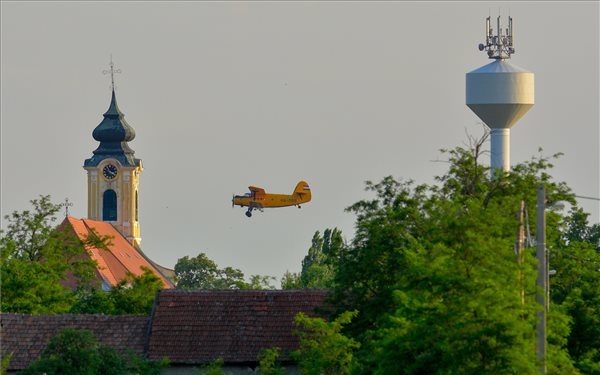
x: 113, y: 133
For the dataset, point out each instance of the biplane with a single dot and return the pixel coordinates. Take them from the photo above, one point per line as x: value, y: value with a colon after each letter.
x: 258, y: 199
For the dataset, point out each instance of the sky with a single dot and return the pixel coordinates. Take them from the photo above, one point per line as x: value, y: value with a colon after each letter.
x: 223, y: 95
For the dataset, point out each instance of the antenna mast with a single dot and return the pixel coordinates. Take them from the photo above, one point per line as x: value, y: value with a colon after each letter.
x: 499, y: 46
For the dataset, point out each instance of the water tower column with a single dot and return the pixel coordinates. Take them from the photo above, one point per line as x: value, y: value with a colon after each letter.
x: 500, y: 148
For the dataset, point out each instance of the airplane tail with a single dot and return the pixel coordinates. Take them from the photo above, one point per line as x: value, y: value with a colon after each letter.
x: 303, y: 190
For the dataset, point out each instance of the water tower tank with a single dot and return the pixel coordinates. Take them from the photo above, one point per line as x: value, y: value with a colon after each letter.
x: 499, y: 93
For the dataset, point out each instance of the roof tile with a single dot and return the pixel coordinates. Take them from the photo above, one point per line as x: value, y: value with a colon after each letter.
x: 26, y: 336
x: 235, y: 325
x: 120, y: 258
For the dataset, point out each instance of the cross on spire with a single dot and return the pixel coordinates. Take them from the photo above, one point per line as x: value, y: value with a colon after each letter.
x: 112, y: 72
x: 66, y: 205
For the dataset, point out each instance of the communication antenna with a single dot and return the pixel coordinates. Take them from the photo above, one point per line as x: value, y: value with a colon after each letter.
x: 498, y: 46
x: 112, y: 72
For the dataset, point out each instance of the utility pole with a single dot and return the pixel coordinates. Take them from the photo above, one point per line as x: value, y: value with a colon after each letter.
x: 542, y: 278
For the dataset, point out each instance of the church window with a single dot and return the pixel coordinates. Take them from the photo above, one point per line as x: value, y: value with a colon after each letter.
x: 109, y: 205
x: 136, y: 206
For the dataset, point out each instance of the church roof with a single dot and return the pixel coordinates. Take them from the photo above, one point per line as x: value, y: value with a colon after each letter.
x: 113, y: 133
x: 119, y: 258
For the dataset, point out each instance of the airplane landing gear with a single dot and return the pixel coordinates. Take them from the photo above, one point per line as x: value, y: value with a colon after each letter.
x: 249, y: 213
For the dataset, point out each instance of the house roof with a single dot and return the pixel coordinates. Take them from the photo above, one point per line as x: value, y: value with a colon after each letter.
x: 203, y: 325
x: 188, y: 327
x: 26, y: 336
x: 119, y: 258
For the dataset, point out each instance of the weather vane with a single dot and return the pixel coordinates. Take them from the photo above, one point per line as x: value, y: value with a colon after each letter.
x: 67, y: 204
x: 112, y: 72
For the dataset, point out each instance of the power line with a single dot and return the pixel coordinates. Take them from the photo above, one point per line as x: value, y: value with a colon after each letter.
x: 583, y: 197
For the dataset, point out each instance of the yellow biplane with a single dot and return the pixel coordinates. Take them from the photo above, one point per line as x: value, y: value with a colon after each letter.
x: 258, y: 199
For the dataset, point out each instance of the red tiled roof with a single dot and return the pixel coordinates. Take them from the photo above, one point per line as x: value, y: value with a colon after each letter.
x: 26, y: 336
x: 120, y: 258
x: 200, y: 326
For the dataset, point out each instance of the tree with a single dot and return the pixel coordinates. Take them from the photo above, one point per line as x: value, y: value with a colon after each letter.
x: 576, y: 288
x: 214, y: 368
x: 318, y: 266
x: 196, y: 273
x: 434, y: 277
x: 74, y: 351
x: 136, y: 294
x: 201, y: 272
x: 259, y: 282
x: 36, y: 258
x: 268, y: 362
x: 323, y: 348
x: 291, y: 280
x: 133, y: 295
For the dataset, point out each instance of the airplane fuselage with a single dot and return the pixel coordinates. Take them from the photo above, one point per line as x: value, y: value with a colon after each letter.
x: 269, y: 200
x: 258, y: 199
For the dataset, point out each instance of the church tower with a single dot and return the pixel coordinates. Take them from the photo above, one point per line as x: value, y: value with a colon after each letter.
x: 113, y: 174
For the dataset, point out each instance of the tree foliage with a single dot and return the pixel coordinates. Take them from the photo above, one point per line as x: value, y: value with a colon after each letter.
x: 133, y: 295
x: 324, y: 349
x: 268, y: 362
x: 36, y: 258
x: 201, y: 272
x: 576, y: 288
x: 74, y: 351
x: 319, y: 265
x: 433, y: 274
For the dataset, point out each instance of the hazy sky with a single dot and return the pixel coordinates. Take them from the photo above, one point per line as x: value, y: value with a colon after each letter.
x: 223, y: 95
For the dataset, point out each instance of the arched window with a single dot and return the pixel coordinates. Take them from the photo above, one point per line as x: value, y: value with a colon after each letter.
x: 109, y: 206
x: 136, y: 206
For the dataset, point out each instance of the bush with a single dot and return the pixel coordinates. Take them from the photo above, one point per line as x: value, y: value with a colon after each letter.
x: 74, y: 351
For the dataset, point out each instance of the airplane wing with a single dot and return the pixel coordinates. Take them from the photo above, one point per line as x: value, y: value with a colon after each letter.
x: 257, y: 190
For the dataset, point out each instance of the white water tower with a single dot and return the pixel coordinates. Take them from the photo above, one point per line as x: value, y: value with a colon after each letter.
x: 499, y: 93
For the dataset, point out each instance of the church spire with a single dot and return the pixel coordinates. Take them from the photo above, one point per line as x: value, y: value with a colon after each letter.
x: 113, y: 133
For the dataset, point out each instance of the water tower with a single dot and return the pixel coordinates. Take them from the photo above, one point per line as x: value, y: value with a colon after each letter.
x: 500, y: 93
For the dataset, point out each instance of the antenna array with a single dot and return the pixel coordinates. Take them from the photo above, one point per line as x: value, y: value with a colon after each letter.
x: 498, y: 46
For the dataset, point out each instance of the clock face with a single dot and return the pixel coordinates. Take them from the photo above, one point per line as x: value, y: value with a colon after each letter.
x: 109, y: 171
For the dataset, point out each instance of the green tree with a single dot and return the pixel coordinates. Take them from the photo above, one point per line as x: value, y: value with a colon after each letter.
x: 214, y: 368
x: 291, y: 280
x: 74, y: 351
x: 433, y: 274
x: 5, y: 362
x: 318, y: 266
x: 36, y: 258
x: 201, y: 272
x: 324, y: 349
x: 260, y: 282
x: 133, y: 295
x: 268, y: 362
x: 576, y: 288
x: 136, y: 294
